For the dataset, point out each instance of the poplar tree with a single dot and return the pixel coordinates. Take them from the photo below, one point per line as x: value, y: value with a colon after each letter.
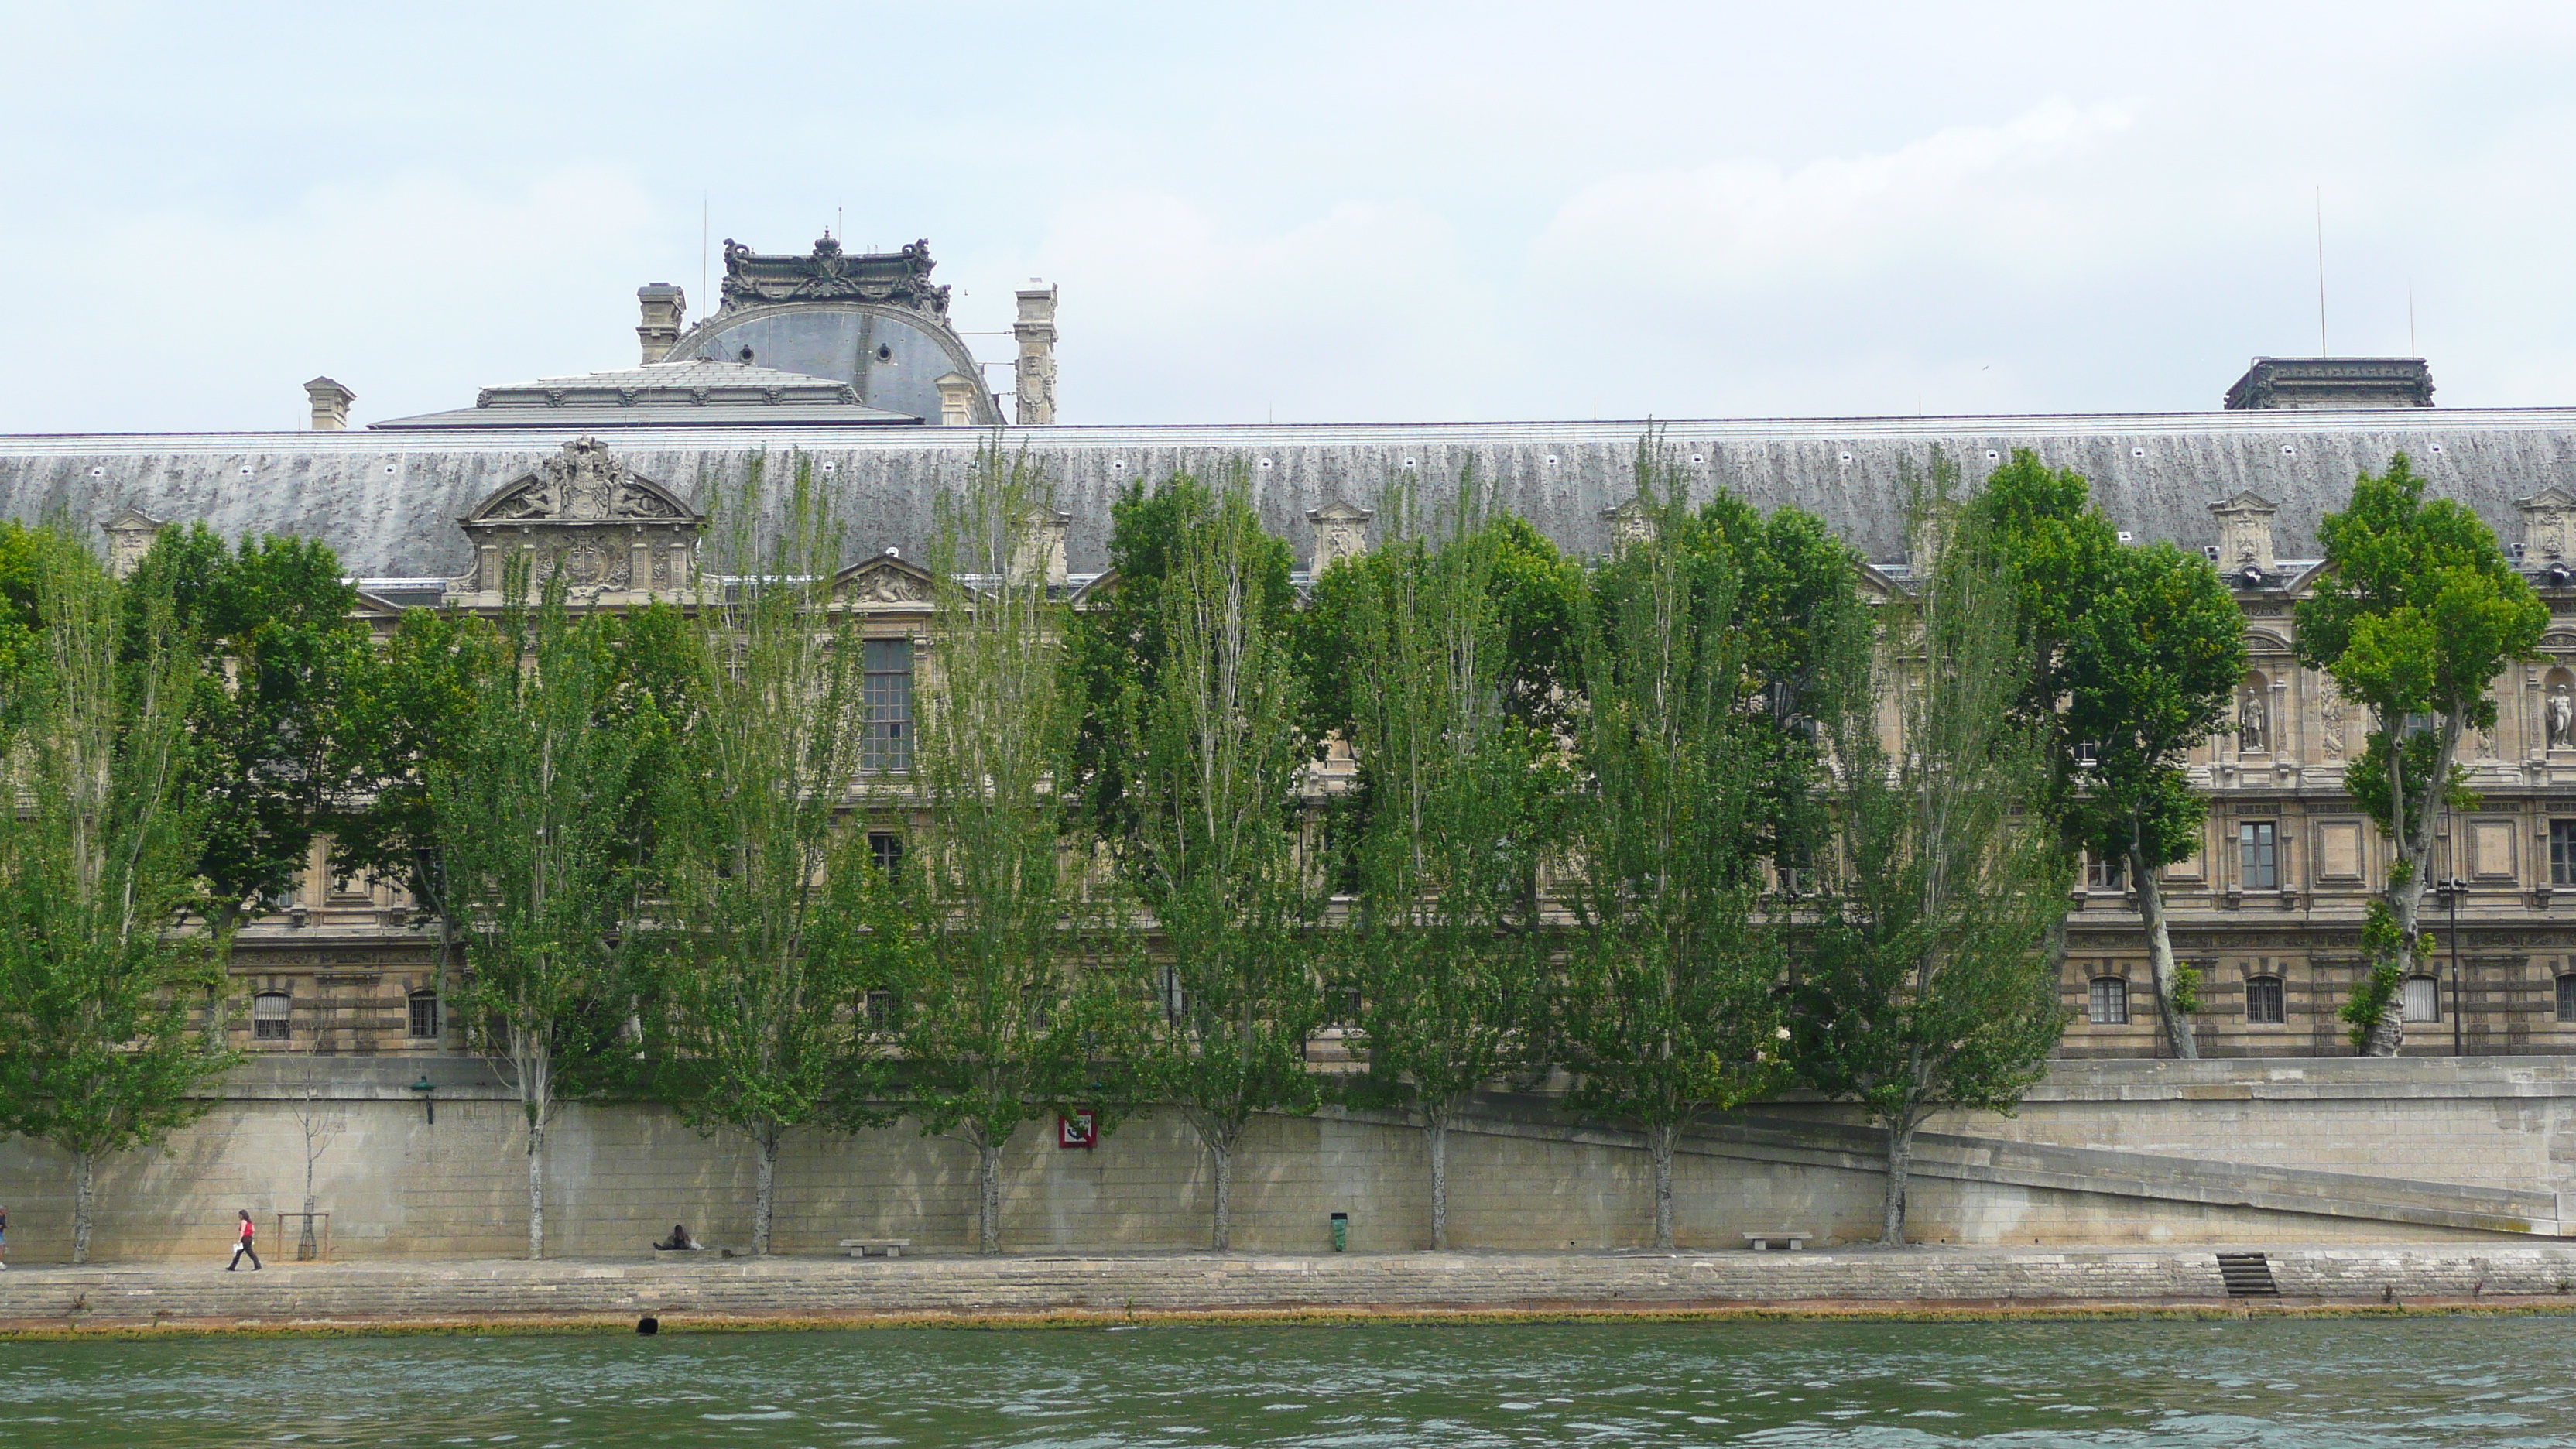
x: 1925, y: 985
x: 1002, y: 1010
x: 537, y: 820
x: 100, y: 975
x: 1446, y: 935
x: 1668, y: 1008
x: 773, y: 924
x: 1213, y: 849
x: 2414, y: 614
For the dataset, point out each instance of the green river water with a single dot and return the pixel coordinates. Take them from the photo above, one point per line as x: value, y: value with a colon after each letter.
x: 2302, y: 1383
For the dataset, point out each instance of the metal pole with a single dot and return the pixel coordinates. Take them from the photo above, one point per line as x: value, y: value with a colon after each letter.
x: 2459, y: 888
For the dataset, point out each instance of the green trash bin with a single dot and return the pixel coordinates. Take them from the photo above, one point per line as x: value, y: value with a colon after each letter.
x: 1341, y: 1232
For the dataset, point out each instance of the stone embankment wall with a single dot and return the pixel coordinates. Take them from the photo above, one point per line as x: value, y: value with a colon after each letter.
x: 2104, y: 1152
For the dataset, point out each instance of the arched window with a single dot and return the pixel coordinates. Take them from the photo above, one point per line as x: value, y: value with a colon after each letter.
x: 270, y: 1011
x: 2263, y: 1000
x: 2421, y: 1000
x: 424, y: 1014
x: 2110, y: 1003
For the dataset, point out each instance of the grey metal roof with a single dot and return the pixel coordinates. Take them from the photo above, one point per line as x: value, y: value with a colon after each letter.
x: 388, y: 500
x: 668, y: 394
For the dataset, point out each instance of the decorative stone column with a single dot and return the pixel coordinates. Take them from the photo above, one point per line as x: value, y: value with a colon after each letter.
x: 1341, y: 531
x: 956, y: 400
x: 330, y: 404
x: 1035, y: 332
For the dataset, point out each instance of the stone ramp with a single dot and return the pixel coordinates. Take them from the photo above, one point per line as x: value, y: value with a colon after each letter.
x: 826, y: 1289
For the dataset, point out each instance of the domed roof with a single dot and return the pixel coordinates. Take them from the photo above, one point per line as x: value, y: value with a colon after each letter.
x: 871, y: 320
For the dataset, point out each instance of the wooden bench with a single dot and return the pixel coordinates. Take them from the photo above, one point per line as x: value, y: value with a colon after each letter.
x: 1762, y: 1241
x: 861, y: 1247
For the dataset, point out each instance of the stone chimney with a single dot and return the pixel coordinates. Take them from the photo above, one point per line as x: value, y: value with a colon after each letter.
x: 2548, y: 528
x: 1039, y: 551
x: 1630, y: 522
x: 129, y: 537
x: 664, y: 306
x: 2245, y: 535
x: 1341, y: 531
x: 956, y: 400
x: 330, y: 404
x: 1035, y: 332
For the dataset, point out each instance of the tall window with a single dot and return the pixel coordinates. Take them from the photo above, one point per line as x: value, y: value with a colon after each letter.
x: 270, y: 1012
x: 424, y: 1013
x: 2562, y: 852
x: 2422, y: 1000
x: 885, y: 851
x: 886, y: 692
x: 2105, y: 873
x: 2110, y: 1004
x: 2567, y: 997
x: 2263, y: 1000
x: 2258, y: 855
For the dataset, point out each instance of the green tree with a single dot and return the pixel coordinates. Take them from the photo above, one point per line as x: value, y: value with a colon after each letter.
x: 1925, y: 985
x: 1002, y: 1010
x: 280, y: 658
x: 773, y: 925
x: 1668, y: 1008
x: 1447, y: 934
x: 99, y: 848
x: 1211, y: 755
x: 2414, y: 614
x: 2134, y: 658
x: 535, y: 813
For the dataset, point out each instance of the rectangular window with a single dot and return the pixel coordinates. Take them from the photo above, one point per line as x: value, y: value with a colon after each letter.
x: 885, y: 690
x: 2110, y: 1004
x: 885, y: 851
x: 2562, y: 852
x: 2257, y: 855
x: 2422, y: 1000
x: 2567, y: 998
x: 2108, y: 874
x: 881, y: 1010
x: 424, y: 1013
x: 270, y: 1012
x: 2263, y: 1001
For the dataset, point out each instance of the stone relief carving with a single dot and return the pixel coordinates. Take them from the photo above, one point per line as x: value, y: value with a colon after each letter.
x: 888, y: 586
x: 2330, y: 716
x: 583, y: 482
x: 829, y: 274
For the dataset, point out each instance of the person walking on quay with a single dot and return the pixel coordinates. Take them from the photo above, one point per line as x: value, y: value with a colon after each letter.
x: 4, y: 1235
x: 242, y: 1245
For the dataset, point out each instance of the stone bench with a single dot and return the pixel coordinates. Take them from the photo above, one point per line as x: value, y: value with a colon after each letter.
x: 1762, y: 1241
x: 861, y: 1247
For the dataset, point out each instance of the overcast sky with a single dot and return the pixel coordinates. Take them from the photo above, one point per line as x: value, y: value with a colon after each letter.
x: 1308, y: 212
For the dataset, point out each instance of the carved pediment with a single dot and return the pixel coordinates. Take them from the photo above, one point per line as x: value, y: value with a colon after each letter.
x: 2547, y: 537
x: 885, y: 579
x: 584, y: 483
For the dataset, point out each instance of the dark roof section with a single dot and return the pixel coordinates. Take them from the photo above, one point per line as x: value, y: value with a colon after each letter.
x: 693, y: 393
x: 388, y: 500
x: 2294, y: 383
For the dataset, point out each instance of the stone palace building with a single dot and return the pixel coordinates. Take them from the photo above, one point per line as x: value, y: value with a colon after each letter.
x: 850, y: 363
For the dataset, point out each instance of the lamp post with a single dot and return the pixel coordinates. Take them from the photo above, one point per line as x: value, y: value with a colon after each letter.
x: 2449, y: 892
x: 428, y: 1101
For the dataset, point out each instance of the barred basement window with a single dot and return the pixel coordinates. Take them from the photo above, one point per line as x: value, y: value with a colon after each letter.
x: 2110, y: 1006
x: 424, y: 1013
x: 2562, y: 852
x: 2263, y: 1000
x: 1341, y: 1005
x: 2422, y: 1000
x: 885, y: 689
x: 881, y: 1009
x: 2567, y: 997
x: 269, y: 1013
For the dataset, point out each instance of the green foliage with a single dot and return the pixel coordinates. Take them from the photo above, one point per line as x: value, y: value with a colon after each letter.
x: 99, y: 845
x: 21, y: 631
x: 404, y: 717
x: 281, y: 663
x: 2185, y: 996
x: 2370, y: 1002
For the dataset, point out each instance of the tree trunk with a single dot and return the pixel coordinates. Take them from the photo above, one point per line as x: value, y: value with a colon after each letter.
x: 1223, y: 1151
x: 989, y: 1201
x: 2160, y: 957
x: 1900, y: 1154
x: 764, y: 1189
x: 1437, y: 1130
x: 1660, y: 1140
x: 536, y: 1191
x: 307, y: 1246
x: 84, y: 1198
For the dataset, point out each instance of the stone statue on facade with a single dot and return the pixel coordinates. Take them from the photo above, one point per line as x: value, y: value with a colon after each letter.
x: 2561, y: 719
x: 2251, y: 723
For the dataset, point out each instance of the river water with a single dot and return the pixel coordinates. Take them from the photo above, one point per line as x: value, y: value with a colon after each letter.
x: 2278, y: 1382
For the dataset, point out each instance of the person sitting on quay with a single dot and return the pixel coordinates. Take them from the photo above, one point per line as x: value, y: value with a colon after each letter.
x: 679, y: 1242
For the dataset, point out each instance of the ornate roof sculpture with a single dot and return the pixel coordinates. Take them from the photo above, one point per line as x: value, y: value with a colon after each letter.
x: 584, y: 512
x: 830, y: 274
x: 2275, y: 383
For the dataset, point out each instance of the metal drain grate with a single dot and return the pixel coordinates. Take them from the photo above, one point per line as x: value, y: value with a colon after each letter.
x: 2248, y: 1275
